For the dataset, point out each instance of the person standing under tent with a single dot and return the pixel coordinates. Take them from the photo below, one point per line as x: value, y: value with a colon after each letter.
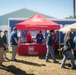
x: 49, y: 43
x: 39, y: 37
x: 28, y: 37
x: 14, y: 43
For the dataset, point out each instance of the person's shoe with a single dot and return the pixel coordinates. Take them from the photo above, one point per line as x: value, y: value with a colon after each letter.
x: 55, y: 61
x: 74, y: 68
x: 47, y: 60
x: 7, y: 59
x: 15, y: 60
x: 64, y: 67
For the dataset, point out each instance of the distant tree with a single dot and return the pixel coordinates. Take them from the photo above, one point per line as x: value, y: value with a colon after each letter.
x: 70, y: 17
x: 74, y: 13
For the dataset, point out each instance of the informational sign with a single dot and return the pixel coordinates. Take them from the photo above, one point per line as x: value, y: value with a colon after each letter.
x: 31, y: 50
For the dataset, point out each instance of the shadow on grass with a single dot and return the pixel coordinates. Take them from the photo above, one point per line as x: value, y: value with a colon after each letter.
x: 56, y: 55
x: 9, y: 51
x: 30, y: 63
x: 15, y: 70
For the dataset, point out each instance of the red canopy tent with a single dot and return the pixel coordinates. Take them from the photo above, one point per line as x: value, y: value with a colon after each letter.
x: 37, y: 22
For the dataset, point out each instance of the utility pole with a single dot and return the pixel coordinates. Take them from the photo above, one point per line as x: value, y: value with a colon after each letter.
x: 74, y: 9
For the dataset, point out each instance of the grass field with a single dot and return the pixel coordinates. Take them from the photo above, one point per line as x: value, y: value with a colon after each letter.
x: 35, y: 65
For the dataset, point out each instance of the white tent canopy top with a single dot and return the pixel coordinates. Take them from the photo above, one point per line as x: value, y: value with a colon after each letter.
x: 71, y: 27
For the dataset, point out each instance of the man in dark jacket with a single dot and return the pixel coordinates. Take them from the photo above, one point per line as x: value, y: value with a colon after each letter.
x: 1, y: 49
x: 39, y: 37
x: 4, y: 37
x: 49, y: 43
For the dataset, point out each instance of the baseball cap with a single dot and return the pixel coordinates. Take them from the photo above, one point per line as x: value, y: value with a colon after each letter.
x: 14, y: 28
x: 51, y: 30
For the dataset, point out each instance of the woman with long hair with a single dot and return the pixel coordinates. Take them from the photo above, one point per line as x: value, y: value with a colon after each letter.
x: 68, y: 41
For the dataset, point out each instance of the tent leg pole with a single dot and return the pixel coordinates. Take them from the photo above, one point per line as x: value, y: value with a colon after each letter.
x: 59, y: 44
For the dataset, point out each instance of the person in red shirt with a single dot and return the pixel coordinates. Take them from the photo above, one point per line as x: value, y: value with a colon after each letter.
x: 28, y: 37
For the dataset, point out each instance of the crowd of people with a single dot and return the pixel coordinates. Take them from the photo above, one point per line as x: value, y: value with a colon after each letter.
x: 51, y: 40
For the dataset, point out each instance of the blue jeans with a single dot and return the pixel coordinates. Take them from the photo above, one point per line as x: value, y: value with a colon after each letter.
x: 50, y: 50
x: 68, y: 53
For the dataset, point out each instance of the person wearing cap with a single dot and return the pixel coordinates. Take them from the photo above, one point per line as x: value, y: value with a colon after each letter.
x: 5, y: 42
x: 49, y: 43
x: 14, y: 43
x: 1, y: 49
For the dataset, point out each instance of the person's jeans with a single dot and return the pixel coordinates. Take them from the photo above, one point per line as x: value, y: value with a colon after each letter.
x: 50, y: 50
x: 68, y: 53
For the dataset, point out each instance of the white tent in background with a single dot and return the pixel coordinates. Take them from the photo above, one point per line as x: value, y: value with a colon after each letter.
x: 71, y: 27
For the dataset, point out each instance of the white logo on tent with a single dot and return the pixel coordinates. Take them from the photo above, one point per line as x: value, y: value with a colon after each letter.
x: 37, y: 20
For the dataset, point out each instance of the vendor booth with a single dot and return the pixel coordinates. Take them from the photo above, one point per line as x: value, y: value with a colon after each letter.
x: 36, y: 22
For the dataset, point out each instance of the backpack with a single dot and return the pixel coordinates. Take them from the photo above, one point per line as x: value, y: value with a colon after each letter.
x: 69, y: 44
